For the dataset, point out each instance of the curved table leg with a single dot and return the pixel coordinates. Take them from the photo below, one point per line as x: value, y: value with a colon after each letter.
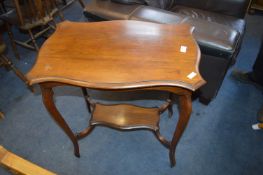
x: 47, y: 95
x: 170, y: 107
x: 85, y: 132
x: 185, y: 110
x: 86, y: 96
x: 162, y: 139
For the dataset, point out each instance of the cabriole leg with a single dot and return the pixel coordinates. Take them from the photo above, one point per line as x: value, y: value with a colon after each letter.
x: 86, y: 96
x: 185, y: 110
x: 47, y: 95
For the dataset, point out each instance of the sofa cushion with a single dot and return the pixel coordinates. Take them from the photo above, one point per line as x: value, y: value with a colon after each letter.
x: 214, y: 38
x: 156, y: 15
x: 235, y: 8
x: 129, y: 2
x: 109, y: 10
x: 163, y: 4
x: 233, y: 22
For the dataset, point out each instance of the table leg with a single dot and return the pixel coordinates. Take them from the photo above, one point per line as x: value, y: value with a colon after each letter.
x: 170, y: 107
x: 86, y: 96
x: 47, y: 95
x: 185, y: 110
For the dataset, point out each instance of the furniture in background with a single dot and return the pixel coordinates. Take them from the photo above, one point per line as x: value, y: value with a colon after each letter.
x: 2, y: 115
x: 4, y: 61
x: 141, y: 56
x: 256, y: 5
x: 5, y: 27
x: 219, y: 29
x: 20, y: 166
x: 2, y: 7
x: 33, y: 17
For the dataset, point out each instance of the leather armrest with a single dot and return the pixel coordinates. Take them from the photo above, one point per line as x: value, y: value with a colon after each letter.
x: 235, y: 8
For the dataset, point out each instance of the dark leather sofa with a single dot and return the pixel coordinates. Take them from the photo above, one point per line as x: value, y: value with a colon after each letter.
x: 219, y: 28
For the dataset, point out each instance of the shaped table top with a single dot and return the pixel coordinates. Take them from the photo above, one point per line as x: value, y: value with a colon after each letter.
x: 119, y: 55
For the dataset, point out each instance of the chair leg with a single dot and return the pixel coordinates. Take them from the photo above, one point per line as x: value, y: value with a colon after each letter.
x: 2, y: 116
x: 82, y: 3
x: 10, y: 65
x: 33, y: 40
x: 12, y: 40
x: 60, y: 14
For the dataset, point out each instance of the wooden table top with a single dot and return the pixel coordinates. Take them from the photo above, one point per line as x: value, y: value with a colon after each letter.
x: 119, y: 55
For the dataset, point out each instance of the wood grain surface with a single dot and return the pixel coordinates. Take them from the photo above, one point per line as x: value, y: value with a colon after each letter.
x: 123, y: 116
x: 119, y: 55
x: 20, y: 166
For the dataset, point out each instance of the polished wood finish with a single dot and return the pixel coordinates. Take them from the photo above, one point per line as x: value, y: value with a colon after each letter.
x: 185, y: 109
x: 113, y: 55
x: 20, y: 166
x: 121, y: 56
x: 47, y: 94
x: 125, y: 116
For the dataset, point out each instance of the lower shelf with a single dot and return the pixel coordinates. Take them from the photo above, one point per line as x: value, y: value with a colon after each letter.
x: 123, y: 116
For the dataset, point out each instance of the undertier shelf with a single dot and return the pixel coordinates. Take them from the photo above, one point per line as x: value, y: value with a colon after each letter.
x: 124, y: 116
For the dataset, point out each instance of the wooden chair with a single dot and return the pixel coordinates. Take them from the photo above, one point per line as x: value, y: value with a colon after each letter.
x: 34, y: 17
x: 5, y: 27
x: 4, y: 61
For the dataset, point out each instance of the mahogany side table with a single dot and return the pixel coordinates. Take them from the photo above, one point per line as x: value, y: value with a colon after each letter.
x: 121, y: 56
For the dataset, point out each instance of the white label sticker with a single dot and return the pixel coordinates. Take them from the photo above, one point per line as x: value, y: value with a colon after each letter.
x: 183, y: 49
x: 191, y: 75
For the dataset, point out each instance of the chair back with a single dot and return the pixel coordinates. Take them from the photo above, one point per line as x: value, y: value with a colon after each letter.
x: 32, y: 13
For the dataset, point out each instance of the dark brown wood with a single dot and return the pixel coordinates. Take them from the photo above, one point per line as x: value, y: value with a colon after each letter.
x: 105, y: 66
x: 125, y: 117
x: 185, y: 109
x: 86, y: 97
x: 165, y: 106
x: 162, y: 139
x: 2, y: 116
x: 255, y: 5
x: 12, y: 40
x: 85, y: 132
x: 47, y: 94
x: 170, y: 107
x: 121, y: 56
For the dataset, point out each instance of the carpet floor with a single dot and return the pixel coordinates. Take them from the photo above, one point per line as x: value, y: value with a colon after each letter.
x: 218, y: 140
